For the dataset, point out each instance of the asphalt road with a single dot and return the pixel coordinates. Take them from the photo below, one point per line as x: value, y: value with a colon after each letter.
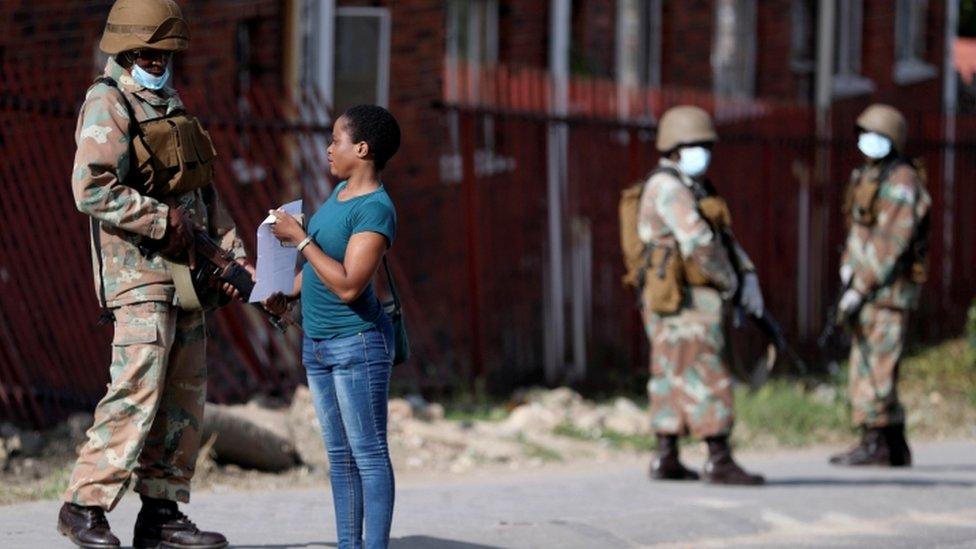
x: 805, y: 503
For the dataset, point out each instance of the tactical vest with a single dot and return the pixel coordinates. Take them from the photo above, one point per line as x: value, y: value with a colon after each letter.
x: 660, y: 273
x: 861, y: 208
x: 172, y: 154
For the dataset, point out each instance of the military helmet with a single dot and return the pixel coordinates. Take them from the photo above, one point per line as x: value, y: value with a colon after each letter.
x: 135, y: 24
x: 887, y: 121
x: 684, y: 125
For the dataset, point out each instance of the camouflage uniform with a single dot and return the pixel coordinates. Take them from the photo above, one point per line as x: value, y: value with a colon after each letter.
x: 148, y: 423
x: 875, y: 254
x: 690, y: 387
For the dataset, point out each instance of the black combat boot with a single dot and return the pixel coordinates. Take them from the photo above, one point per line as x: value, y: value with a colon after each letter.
x: 666, y: 465
x: 86, y: 526
x: 161, y: 524
x: 722, y: 469
x: 872, y: 450
x: 899, y: 453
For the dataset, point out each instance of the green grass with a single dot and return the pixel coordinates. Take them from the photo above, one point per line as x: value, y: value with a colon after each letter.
x: 535, y: 450
x: 470, y: 414
x: 948, y: 368
x: 51, y: 486
x: 781, y: 412
x: 613, y: 438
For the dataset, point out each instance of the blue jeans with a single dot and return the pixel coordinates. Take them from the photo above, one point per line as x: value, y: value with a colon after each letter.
x: 349, y: 378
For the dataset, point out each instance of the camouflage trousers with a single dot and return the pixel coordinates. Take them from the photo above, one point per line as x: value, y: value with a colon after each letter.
x: 148, y: 423
x: 876, y: 349
x: 690, y: 387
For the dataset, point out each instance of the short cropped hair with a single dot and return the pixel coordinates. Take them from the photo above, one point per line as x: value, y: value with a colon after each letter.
x: 378, y: 128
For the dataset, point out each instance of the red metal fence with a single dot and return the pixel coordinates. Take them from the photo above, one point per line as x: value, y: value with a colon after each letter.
x: 53, y: 356
x: 783, y: 184
x: 768, y: 164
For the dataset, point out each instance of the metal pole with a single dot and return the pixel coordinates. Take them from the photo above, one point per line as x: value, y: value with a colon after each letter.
x: 557, y: 143
x: 950, y: 101
x: 469, y: 184
x: 809, y: 255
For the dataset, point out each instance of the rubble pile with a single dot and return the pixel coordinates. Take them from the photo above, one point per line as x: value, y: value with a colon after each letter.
x: 542, y: 426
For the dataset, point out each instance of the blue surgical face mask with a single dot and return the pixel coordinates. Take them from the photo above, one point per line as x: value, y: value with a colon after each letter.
x: 149, y: 81
x: 693, y: 161
x: 874, y: 145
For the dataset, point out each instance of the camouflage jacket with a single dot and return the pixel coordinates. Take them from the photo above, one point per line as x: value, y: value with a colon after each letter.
x: 669, y: 217
x: 124, y: 216
x: 875, y: 253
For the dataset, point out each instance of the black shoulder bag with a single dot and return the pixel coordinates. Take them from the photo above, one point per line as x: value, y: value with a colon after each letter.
x: 401, y: 344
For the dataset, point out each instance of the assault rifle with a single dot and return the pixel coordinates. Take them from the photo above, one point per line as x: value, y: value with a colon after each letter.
x: 765, y: 322
x: 200, y: 287
x: 833, y: 321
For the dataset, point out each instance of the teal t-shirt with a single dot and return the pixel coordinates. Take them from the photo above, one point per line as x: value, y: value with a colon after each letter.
x: 324, y: 315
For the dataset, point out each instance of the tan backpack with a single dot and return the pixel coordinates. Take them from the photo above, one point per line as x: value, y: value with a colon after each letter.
x: 635, y: 253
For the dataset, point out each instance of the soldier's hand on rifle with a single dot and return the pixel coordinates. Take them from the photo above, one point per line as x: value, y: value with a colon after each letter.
x: 286, y: 229
x: 751, y: 298
x: 850, y: 303
x: 177, y: 242
x: 846, y: 274
x: 232, y: 291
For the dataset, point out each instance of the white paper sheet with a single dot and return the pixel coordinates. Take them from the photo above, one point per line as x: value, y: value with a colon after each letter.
x: 276, y: 263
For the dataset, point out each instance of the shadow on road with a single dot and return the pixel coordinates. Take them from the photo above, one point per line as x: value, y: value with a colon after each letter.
x: 409, y: 542
x: 850, y: 482
x: 426, y: 542
x: 947, y: 468
x: 287, y: 545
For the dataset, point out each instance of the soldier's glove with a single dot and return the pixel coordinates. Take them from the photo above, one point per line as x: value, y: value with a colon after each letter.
x: 846, y: 274
x: 850, y: 303
x: 177, y: 241
x: 751, y: 297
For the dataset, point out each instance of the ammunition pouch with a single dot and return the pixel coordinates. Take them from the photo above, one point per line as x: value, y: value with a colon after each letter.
x: 693, y: 274
x: 715, y: 210
x: 664, y: 280
x: 863, y: 200
x: 173, y: 155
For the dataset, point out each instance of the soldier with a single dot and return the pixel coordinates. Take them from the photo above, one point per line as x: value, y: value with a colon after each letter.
x: 142, y: 191
x: 689, y: 277
x: 882, y: 268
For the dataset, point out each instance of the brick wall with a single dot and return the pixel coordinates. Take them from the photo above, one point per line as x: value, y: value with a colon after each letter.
x: 593, y: 44
x: 523, y: 32
x: 687, y: 28
x: 64, y: 35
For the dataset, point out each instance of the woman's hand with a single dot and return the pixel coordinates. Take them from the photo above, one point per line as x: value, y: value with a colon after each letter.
x: 277, y: 303
x: 286, y: 229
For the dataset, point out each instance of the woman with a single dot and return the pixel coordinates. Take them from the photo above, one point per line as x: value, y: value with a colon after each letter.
x: 348, y: 346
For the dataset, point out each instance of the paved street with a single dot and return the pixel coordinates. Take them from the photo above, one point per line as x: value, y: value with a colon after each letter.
x: 806, y: 503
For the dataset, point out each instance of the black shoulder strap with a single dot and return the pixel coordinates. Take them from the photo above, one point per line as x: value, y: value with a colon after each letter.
x: 209, y: 195
x: 393, y: 290
x: 106, y: 315
x: 891, y: 165
x: 664, y: 169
